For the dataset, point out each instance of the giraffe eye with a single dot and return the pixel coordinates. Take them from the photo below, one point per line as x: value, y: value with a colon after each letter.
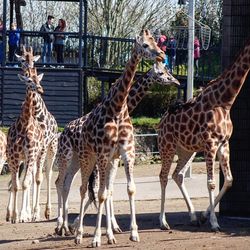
x: 145, y: 45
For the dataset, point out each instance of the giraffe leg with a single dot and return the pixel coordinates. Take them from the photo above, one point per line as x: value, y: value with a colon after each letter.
x: 71, y: 173
x: 26, y: 187
x: 51, y: 155
x: 64, y: 160
x: 210, y: 159
x: 166, y: 158
x: 103, y: 196
x: 184, y: 161
x: 223, y: 155
x: 128, y: 157
x: 115, y: 226
x: 39, y: 180
x: 94, y: 186
x: 14, y: 196
x: 86, y: 164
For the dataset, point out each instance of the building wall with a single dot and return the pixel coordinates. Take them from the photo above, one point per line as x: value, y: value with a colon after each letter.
x: 236, y: 30
x: 62, y: 94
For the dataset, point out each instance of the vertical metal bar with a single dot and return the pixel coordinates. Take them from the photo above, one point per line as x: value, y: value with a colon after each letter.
x: 4, y: 31
x: 85, y: 32
x: 80, y: 33
x: 190, y: 78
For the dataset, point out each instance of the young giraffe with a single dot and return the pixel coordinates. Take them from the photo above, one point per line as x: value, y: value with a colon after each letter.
x: 24, y: 144
x: 107, y: 130
x: 48, y: 123
x: 3, y: 143
x: 158, y: 74
x: 202, y: 124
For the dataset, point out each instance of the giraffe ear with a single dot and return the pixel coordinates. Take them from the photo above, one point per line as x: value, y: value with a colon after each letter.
x: 19, y: 58
x: 36, y: 58
x: 23, y: 78
x: 40, y: 77
x: 138, y: 39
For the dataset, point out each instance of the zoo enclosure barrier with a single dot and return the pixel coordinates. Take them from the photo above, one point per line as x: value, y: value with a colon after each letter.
x: 111, y: 54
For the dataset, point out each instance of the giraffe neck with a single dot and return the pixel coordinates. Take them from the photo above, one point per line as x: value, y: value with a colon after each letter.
x: 117, y: 98
x: 139, y: 90
x: 28, y: 108
x: 224, y: 90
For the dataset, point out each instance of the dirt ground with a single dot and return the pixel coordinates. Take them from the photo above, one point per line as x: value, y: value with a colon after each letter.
x: 235, y: 232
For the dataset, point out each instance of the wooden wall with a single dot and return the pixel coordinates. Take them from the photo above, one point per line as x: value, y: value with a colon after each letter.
x: 62, y: 94
x: 236, y: 30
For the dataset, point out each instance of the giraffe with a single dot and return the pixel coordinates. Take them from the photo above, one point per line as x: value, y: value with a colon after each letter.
x: 3, y: 143
x: 48, y: 123
x: 202, y: 124
x: 158, y: 74
x: 107, y: 130
x: 24, y: 143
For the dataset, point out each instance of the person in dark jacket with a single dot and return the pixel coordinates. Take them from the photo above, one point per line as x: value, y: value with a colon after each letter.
x: 14, y: 39
x: 48, y: 38
x: 59, y: 41
x: 1, y: 41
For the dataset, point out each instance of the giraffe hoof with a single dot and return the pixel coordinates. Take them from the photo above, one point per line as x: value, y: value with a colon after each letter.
x: 96, y: 244
x: 117, y: 230
x: 203, y: 218
x: 165, y: 227
x: 58, y: 231
x: 134, y: 238
x: 216, y: 229
x: 111, y: 241
x: 78, y: 240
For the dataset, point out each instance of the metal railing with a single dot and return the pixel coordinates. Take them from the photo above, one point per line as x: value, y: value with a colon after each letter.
x: 111, y: 54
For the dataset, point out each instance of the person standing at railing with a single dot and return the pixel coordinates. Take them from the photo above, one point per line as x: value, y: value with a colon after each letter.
x: 48, y: 38
x: 171, y: 52
x: 196, y: 55
x: 60, y: 41
x: 1, y: 41
x: 14, y: 39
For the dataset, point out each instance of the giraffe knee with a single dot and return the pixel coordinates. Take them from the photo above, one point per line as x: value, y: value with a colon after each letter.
x: 131, y: 189
x: 178, y: 178
x: 211, y: 185
x: 229, y: 182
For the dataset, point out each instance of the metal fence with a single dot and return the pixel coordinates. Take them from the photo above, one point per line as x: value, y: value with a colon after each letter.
x: 111, y: 54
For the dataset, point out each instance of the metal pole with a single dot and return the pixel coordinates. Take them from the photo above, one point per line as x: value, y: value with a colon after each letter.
x: 80, y: 33
x: 4, y: 31
x: 85, y: 32
x: 190, y: 77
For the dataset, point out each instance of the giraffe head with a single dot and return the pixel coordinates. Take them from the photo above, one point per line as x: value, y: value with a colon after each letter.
x: 162, y: 76
x: 27, y: 59
x: 33, y: 80
x: 147, y: 47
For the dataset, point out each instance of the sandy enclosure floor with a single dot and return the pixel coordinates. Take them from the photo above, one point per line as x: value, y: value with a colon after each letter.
x: 235, y: 232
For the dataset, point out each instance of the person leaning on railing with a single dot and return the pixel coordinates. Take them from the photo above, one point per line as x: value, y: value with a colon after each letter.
x: 1, y: 41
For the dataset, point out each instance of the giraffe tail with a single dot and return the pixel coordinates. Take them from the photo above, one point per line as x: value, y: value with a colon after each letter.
x: 93, y: 186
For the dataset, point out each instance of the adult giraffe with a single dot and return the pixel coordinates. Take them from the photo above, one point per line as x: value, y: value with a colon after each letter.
x: 48, y: 123
x: 107, y: 131
x: 158, y: 74
x: 202, y: 124
x: 24, y: 144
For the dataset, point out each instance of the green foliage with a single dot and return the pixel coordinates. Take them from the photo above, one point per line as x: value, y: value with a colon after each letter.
x: 5, y: 129
x: 147, y: 122
x: 155, y: 103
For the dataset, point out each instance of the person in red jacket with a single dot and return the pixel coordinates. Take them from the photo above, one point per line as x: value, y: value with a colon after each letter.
x: 196, y: 55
